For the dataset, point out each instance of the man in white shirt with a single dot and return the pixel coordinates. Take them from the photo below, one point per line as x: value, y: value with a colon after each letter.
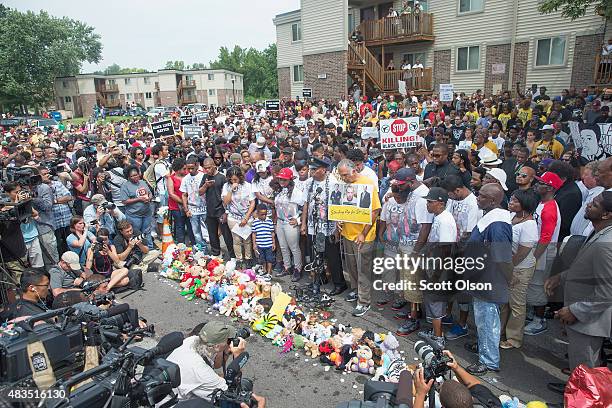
x: 580, y: 225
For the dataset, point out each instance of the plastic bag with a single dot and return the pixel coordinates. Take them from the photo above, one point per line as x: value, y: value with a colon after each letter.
x: 589, y: 388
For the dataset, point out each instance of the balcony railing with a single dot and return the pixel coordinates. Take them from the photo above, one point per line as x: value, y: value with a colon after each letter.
x: 185, y: 99
x: 416, y: 79
x: 603, y: 70
x: 405, y: 28
x: 109, y: 88
x: 110, y: 103
x: 187, y: 84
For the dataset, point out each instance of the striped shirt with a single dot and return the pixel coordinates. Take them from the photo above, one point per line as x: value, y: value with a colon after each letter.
x: 263, y: 232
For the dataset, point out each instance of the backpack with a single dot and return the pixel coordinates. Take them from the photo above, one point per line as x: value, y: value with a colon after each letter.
x: 149, y: 177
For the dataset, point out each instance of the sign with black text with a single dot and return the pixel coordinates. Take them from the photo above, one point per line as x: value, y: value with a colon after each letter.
x: 307, y: 92
x: 186, y: 120
x: 192, y: 132
x: 162, y: 128
x: 201, y: 116
x: 399, y: 133
x: 272, y: 105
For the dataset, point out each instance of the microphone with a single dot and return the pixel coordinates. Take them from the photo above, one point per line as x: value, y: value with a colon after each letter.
x: 319, y: 190
x: 115, y: 310
x: 403, y: 398
x: 166, y: 345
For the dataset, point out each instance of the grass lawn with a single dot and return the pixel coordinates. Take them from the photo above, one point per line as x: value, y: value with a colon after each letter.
x: 109, y: 119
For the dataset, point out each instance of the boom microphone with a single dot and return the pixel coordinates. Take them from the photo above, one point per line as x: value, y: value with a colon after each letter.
x: 115, y: 310
x: 166, y: 345
x: 403, y: 397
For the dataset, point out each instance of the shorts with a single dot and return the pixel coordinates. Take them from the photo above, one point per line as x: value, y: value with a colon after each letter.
x: 266, y: 255
x: 435, y: 309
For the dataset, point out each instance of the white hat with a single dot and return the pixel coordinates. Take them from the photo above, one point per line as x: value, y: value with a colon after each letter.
x: 261, y: 165
x: 487, y: 157
x: 72, y: 259
x: 548, y: 127
x: 500, y: 176
x: 261, y: 142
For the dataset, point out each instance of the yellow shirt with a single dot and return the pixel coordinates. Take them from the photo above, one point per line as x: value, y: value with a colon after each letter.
x: 524, y: 115
x: 472, y: 116
x: 504, y: 118
x: 351, y: 230
x: 489, y: 145
x: 556, y: 148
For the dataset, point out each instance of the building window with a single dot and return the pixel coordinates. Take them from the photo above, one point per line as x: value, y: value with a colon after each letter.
x: 296, y: 32
x: 65, y: 84
x: 298, y: 73
x: 550, y: 51
x: 471, y: 6
x: 128, y: 96
x: 147, y: 80
x: 211, y: 77
x: 468, y: 59
x: 212, y: 92
x: 127, y: 81
x: 412, y: 58
x: 67, y: 99
x: 148, y: 95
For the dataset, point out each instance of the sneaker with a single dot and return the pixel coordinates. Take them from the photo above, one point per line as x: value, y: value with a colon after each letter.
x: 282, y: 273
x: 408, y: 328
x: 536, y: 326
x: 448, y: 320
x: 351, y: 297
x: 360, y: 310
x: 399, y: 304
x: 530, y: 314
x: 297, y: 275
x: 402, y: 315
x: 457, y: 331
x: 381, y: 302
x: 480, y: 369
x: 430, y: 335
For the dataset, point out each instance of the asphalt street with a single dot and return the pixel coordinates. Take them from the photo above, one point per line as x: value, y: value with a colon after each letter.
x: 292, y: 380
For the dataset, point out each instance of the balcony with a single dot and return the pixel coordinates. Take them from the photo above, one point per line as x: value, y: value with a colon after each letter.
x: 187, y: 84
x: 108, y: 102
x: 418, y: 79
x: 603, y: 70
x: 407, y: 28
x: 109, y: 88
x: 186, y: 99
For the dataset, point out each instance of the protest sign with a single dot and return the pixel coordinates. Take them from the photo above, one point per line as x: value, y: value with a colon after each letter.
x: 272, y: 105
x: 201, y: 116
x: 300, y: 122
x: 593, y: 142
x: 401, y: 86
x: 369, y: 132
x: 162, y: 128
x: 307, y: 92
x: 350, y: 203
x: 186, y: 120
x: 446, y: 92
x: 399, y: 133
x: 191, y: 132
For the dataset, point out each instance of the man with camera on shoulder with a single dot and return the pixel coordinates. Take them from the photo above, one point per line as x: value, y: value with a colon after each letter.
x: 102, y: 214
x: 199, y: 357
x: 464, y: 392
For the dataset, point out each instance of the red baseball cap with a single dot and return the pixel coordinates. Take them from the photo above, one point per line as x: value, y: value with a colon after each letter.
x: 285, y: 174
x: 550, y: 179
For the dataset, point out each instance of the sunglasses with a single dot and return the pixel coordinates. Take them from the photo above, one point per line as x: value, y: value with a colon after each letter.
x: 523, y: 174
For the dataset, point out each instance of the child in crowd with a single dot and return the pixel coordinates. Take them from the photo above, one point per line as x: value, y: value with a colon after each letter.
x: 263, y: 237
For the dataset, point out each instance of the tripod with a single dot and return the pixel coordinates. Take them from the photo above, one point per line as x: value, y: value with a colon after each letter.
x: 317, y: 248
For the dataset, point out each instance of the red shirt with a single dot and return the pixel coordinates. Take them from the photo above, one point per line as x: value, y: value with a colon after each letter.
x: 77, y: 181
x: 173, y: 205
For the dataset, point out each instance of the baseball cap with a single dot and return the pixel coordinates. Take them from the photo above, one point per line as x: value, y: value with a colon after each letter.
x: 437, y: 194
x: 316, y: 163
x: 72, y: 259
x: 394, y: 165
x: 287, y: 150
x: 261, y: 142
x: 499, y: 175
x: 261, y: 165
x: 285, y: 174
x: 216, y: 332
x: 403, y: 175
x: 235, y: 156
x: 97, y: 199
x: 550, y: 179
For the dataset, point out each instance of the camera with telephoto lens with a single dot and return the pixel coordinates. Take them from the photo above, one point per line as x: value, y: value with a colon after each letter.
x: 433, y: 358
x: 107, y: 206
x: 134, y: 258
x: 239, y: 390
x: 241, y: 333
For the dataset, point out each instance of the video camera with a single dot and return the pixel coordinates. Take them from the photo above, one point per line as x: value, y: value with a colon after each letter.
x: 54, y: 166
x: 380, y: 394
x: 24, y: 176
x: 21, y: 211
x: 239, y: 390
x: 434, y: 361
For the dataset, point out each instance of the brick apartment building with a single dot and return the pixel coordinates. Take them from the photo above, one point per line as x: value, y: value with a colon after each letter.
x: 473, y: 44
x: 166, y: 87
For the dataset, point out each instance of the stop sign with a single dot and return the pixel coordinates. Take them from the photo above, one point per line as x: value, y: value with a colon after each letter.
x: 399, y: 127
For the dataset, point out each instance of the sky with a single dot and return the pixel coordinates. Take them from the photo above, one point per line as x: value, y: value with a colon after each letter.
x: 146, y: 34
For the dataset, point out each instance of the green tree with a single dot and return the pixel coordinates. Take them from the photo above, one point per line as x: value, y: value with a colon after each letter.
x: 37, y: 48
x: 197, y: 65
x: 574, y: 9
x: 178, y: 65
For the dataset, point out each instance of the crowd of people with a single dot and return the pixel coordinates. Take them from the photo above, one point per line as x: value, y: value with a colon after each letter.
x: 494, y: 175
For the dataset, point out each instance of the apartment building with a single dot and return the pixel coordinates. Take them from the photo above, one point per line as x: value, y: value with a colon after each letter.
x: 166, y: 87
x: 473, y: 44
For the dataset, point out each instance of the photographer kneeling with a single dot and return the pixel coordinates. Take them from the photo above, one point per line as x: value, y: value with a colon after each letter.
x: 132, y: 248
x: 467, y: 392
x: 200, y: 355
x: 102, y: 214
x: 101, y: 257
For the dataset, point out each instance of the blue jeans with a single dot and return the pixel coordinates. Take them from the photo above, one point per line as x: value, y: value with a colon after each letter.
x: 142, y: 224
x: 178, y: 220
x: 488, y: 327
x: 198, y: 225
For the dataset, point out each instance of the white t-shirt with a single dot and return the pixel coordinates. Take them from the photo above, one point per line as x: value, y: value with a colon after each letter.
x: 161, y: 171
x: 404, y: 221
x: 288, y: 208
x: 198, y: 379
x: 525, y: 234
x: 241, y: 200
x: 371, y: 174
x: 195, y: 202
x: 465, y: 212
x: 443, y: 228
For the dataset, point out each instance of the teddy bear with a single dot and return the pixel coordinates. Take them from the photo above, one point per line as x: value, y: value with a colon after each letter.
x: 390, y: 346
x: 333, y: 358
x: 362, y: 361
x: 312, y: 349
x: 357, y: 334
